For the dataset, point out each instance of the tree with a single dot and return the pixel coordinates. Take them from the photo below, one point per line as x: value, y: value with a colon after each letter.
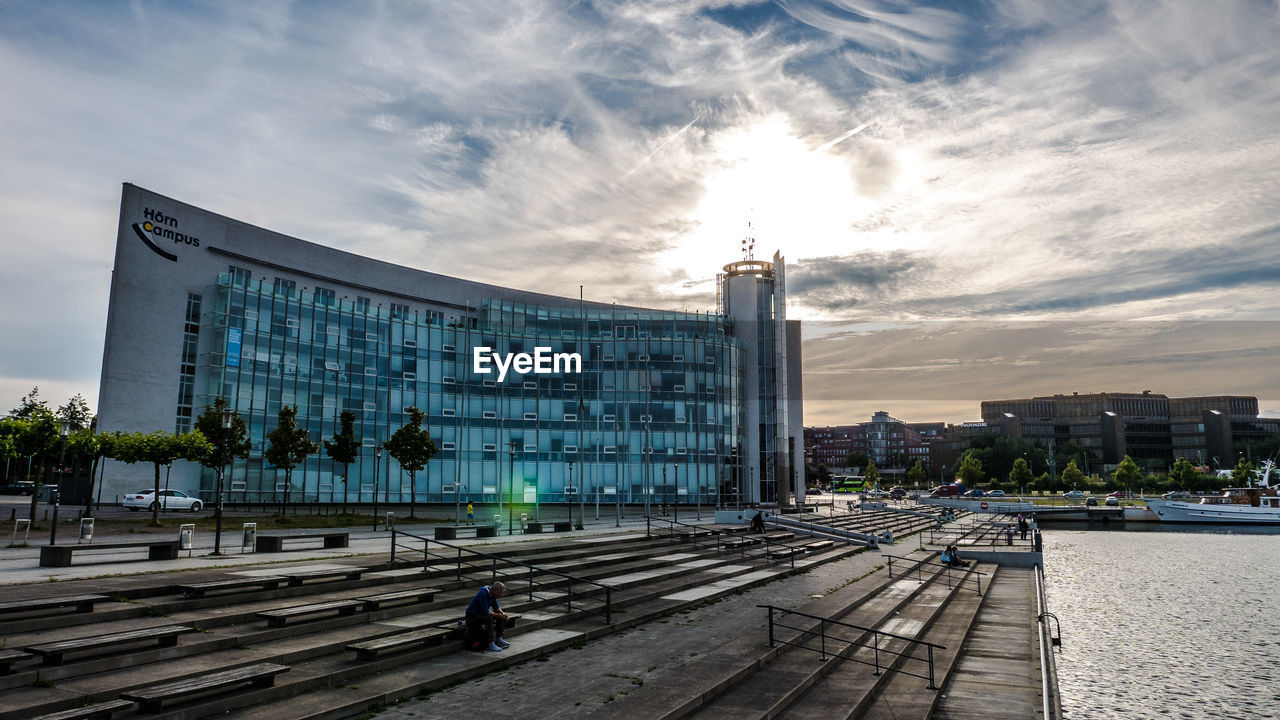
x: 226, y: 444
x: 857, y: 460
x: 1071, y: 475
x: 1243, y: 474
x: 412, y: 447
x: 969, y: 471
x: 1020, y: 475
x: 160, y: 448
x: 1127, y: 474
x: 872, y: 475
x: 344, y: 448
x: 916, y: 474
x: 76, y: 412
x: 39, y: 436
x: 287, y: 447
x: 29, y: 405
x: 1184, y: 475
x: 85, y: 442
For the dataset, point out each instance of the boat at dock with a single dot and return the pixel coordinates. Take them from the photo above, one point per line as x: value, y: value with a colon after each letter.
x: 1235, y: 506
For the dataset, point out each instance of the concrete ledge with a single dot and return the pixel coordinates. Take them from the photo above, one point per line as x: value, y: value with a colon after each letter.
x: 1006, y: 558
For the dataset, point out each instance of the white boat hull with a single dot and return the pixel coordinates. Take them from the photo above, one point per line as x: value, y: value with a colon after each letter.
x: 1172, y: 511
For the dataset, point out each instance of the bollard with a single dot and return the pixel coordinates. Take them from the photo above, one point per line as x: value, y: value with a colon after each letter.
x: 391, y: 521
x: 249, y: 537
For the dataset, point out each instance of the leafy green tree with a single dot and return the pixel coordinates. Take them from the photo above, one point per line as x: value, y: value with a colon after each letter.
x: 86, y: 443
x: 1072, y: 450
x: 1020, y: 476
x: 161, y: 449
x: 76, y: 412
x: 344, y: 448
x: 997, y: 454
x: 225, y: 445
x: 872, y: 475
x: 916, y: 474
x: 970, y: 471
x: 857, y: 460
x: 287, y: 447
x: 1071, y: 475
x: 39, y: 438
x: 1184, y: 475
x: 412, y: 447
x: 30, y: 405
x: 1243, y: 474
x: 1127, y: 474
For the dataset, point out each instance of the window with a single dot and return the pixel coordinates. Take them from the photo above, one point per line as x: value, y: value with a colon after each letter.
x: 530, y: 385
x: 642, y: 358
x: 330, y: 402
x: 531, y: 448
x: 682, y: 451
x: 291, y: 323
x: 448, y: 380
x: 331, y: 365
x: 677, y: 358
x: 371, y: 336
x: 570, y: 386
x: 411, y: 376
x: 488, y: 383
x: 448, y: 412
x: 371, y: 371
x: 571, y: 448
x: 608, y: 357
x: 610, y: 450
x: 239, y: 275
x: 284, y: 287
x: 607, y: 418
x: 410, y: 343
x: 489, y: 415
x: 250, y: 315
x: 449, y: 348
x: 370, y: 407
x: 531, y: 416
x: 362, y: 304
x: 399, y: 312
x: 447, y: 445
x: 324, y: 296
x: 489, y: 447
x: 570, y: 417
x: 679, y: 388
x: 646, y: 418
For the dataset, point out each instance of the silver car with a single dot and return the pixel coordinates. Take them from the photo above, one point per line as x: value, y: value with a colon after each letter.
x: 169, y: 500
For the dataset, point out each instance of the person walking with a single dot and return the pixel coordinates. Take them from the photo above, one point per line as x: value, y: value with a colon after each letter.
x: 486, y: 619
x: 471, y: 514
x: 1008, y: 534
x: 1023, y: 527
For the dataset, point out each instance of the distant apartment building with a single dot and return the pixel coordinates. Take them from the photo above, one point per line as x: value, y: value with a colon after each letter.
x: 1153, y: 429
x: 893, y: 445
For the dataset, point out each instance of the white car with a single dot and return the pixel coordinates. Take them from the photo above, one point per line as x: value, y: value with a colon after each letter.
x: 169, y: 500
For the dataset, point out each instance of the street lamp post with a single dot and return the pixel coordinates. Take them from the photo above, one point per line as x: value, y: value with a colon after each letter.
x: 511, y: 483
x: 377, y: 455
x: 569, y: 491
x: 64, y: 431
x: 222, y: 472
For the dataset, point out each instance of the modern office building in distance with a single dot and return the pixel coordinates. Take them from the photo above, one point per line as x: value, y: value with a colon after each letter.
x: 670, y: 406
x: 1153, y: 429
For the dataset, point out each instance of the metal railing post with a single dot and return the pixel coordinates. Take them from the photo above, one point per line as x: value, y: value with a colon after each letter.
x: 646, y: 527
x: 393, y: 546
x: 771, y: 626
x: 459, y: 563
x: 426, y: 555
x: 822, y: 630
x: 530, y: 584
x: 493, y: 571
x: 875, y: 643
x: 890, y: 566
x: 932, y: 684
x: 608, y: 606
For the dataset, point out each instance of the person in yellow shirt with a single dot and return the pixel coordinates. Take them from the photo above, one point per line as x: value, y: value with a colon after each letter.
x: 471, y: 514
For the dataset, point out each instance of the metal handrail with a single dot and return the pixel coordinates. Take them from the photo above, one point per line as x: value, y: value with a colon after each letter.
x: 1051, y: 700
x: 968, y: 573
x: 875, y: 643
x: 493, y: 569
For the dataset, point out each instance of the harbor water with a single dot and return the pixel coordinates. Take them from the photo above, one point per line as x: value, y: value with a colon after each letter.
x: 1171, y: 624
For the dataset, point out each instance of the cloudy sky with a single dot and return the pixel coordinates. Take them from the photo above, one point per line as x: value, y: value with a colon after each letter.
x: 977, y: 200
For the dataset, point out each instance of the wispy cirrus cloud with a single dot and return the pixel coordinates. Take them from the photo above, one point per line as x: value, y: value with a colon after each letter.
x: 914, y: 161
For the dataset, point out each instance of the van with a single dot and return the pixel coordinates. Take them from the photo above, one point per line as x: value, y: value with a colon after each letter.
x: 948, y: 490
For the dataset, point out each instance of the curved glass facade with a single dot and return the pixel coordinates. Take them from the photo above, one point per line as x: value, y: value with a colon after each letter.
x: 656, y: 411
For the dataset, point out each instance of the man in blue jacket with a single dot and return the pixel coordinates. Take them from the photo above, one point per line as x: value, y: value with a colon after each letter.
x: 485, y: 619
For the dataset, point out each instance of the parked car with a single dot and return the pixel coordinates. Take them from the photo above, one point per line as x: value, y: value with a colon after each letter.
x: 21, y: 487
x: 878, y: 493
x: 1091, y: 502
x: 897, y: 493
x: 1113, y: 501
x: 1121, y: 494
x: 973, y: 493
x: 1073, y: 494
x: 169, y: 500
x: 1176, y: 495
x: 996, y: 493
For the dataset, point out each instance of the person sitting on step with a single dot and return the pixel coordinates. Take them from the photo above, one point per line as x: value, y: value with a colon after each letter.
x: 486, y: 619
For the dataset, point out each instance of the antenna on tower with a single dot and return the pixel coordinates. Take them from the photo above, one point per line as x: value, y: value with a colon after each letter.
x: 749, y: 243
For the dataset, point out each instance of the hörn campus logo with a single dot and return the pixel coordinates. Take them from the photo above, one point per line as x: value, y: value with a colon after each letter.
x: 542, y: 361
x: 158, y: 226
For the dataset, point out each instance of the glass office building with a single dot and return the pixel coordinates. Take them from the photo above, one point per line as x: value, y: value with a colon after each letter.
x: 663, y: 406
